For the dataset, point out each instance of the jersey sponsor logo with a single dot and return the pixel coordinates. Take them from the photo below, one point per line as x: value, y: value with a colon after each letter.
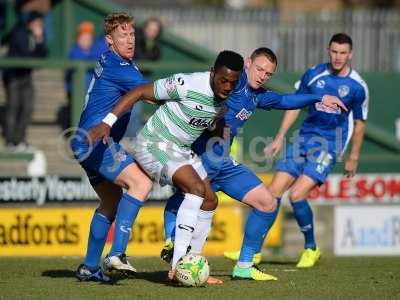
x: 326, y: 109
x: 186, y: 227
x: 243, y: 114
x: 202, y: 123
x: 343, y: 90
x: 320, y: 84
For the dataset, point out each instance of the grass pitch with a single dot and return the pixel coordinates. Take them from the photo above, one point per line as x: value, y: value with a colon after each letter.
x: 333, y: 278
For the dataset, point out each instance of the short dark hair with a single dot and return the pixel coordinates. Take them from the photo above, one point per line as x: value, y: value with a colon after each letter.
x: 268, y: 53
x: 229, y: 59
x: 341, y: 38
x: 32, y: 16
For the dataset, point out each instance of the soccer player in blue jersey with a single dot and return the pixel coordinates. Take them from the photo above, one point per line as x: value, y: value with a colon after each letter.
x: 236, y: 179
x: 109, y: 167
x: 323, y: 137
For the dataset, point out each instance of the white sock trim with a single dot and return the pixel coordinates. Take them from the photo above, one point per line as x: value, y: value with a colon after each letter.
x: 244, y: 264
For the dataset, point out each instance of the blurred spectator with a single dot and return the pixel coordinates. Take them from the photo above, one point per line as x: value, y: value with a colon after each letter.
x: 24, y: 7
x: 25, y: 40
x: 82, y: 49
x: 148, y: 40
x: 2, y: 15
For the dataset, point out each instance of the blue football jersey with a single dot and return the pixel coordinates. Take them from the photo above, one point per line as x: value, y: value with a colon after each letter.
x: 333, y: 125
x: 242, y: 103
x: 113, y: 76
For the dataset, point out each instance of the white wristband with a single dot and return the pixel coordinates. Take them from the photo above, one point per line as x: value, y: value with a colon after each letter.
x: 110, y: 119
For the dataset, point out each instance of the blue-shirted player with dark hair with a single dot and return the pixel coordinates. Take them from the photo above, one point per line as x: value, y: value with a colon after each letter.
x: 323, y: 137
x: 109, y: 167
x: 236, y: 179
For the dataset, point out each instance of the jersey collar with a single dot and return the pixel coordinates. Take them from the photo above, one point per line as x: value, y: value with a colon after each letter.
x: 119, y: 58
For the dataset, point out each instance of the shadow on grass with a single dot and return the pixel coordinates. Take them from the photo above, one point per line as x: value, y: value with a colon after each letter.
x: 59, y: 273
x: 279, y: 262
x: 159, y: 277
x: 71, y: 274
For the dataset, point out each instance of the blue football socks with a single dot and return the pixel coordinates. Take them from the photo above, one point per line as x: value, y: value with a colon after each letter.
x: 304, y: 217
x: 257, y: 226
x: 258, y: 249
x: 128, y: 209
x: 97, y: 239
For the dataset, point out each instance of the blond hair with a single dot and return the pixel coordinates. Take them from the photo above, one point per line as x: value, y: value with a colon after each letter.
x: 112, y: 21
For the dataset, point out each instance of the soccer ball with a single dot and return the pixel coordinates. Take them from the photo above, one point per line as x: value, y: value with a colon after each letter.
x: 192, y: 270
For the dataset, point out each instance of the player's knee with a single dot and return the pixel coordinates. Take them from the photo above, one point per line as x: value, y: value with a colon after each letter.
x: 268, y: 203
x: 275, y: 189
x: 210, y: 202
x: 296, y: 195
x: 197, y: 188
x: 140, y: 184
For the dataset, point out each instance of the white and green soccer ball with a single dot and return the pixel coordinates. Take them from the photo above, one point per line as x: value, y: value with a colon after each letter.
x: 192, y: 270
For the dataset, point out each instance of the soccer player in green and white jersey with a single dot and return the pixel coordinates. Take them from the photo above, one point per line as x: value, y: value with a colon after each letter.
x: 192, y: 104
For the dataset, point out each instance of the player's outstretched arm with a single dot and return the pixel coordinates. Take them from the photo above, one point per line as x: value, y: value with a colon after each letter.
x: 357, y: 138
x: 296, y: 101
x: 102, y: 130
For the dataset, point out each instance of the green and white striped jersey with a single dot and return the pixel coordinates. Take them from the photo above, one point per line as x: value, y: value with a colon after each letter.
x: 188, y: 110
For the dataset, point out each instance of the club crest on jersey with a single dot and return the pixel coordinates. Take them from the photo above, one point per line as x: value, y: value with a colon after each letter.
x: 170, y: 84
x: 320, y: 84
x: 343, y: 90
x: 243, y: 114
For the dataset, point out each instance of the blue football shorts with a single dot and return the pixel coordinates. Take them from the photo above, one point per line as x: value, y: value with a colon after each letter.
x: 230, y: 177
x: 103, y: 161
x: 317, y: 164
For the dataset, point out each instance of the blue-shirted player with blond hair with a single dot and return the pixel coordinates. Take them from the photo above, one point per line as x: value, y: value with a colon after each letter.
x: 109, y: 167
